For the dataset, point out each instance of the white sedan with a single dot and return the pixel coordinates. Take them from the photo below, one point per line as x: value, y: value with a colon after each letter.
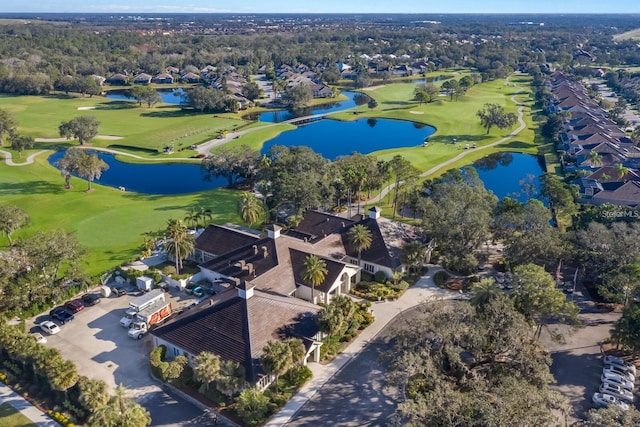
x: 615, y: 379
x: 40, y: 339
x: 620, y: 363
x: 618, y: 371
x: 49, y: 327
x: 605, y: 400
x: 616, y: 391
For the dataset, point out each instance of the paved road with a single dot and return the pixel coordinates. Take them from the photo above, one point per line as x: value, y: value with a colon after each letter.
x: 357, y: 395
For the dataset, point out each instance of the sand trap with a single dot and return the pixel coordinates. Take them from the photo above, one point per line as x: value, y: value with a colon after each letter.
x: 416, y: 112
x: 86, y: 108
x: 109, y: 137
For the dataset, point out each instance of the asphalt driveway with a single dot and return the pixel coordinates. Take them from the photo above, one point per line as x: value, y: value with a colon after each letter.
x: 357, y: 395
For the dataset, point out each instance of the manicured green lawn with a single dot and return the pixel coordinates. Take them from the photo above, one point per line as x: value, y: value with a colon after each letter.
x: 141, y: 127
x: 108, y: 222
x: 11, y: 417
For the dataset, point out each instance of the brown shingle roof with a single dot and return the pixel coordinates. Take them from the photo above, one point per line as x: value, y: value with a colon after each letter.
x: 378, y: 253
x: 246, y: 262
x: 238, y: 329
x: 316, y: 225
x: 334, y: 268
x: 218, y: 240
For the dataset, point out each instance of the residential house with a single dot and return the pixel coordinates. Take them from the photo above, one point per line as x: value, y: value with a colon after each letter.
x: 142, y: 79
x: 118, y: 79
x: 190, y: 78
x: 163, y: 78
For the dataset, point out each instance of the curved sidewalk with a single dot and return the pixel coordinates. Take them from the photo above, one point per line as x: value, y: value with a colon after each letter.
x: 384, y: 312
x: 27, y: 409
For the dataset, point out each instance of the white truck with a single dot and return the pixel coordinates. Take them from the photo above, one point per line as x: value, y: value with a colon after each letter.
x: 148, y: 317
x: 140, y: 303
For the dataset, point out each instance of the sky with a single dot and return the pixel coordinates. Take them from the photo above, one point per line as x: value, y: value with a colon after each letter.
x: 323, y: 6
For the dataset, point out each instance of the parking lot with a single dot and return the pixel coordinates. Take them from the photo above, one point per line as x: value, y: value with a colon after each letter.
x: 101, y: 349
x: 577, y: 363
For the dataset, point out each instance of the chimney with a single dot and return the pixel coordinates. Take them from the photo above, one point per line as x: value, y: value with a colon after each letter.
x: 343, y: 224
x: 264, y: 250
x: 249, y: 268
x: 374, y: 212
x: 255, y: 249
x: 245, y: 290
x: 273, y: 231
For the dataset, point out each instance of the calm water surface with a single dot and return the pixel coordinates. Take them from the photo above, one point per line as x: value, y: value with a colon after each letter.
x: 169, y: 96
x: 514, y: 175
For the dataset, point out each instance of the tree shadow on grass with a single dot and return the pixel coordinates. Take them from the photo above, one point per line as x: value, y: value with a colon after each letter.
x: 117, y: 105
x: 30, y: 187
x: 171, y: 112
x: 516, y: 145
x: 460, y: 139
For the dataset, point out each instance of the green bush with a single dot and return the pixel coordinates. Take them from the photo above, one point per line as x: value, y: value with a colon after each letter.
x: 253, y: 406
x: 298, y: 376
x: 380, y: 277
x: 156, y: 360
x: 440, y: 278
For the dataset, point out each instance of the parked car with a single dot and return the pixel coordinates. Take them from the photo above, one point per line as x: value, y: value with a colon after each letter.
x: 40, y: 339
x: 620, y: 363
x: 118, y: 292
x: 49, y: 327
x: 616, y: 379
x: 61, y: 315
x: 190, y: 287
x: 621, y: 372
x: 601, y: 400
x: 74, y: 306
x: 90, y: 299
x: 617, y: 392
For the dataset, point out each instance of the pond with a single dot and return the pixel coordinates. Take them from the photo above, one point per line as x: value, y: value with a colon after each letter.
x: 333, y: 138
x: 152, y: 178
x: 328, y: 137
x: 514, y: 175
x: 354, y: 99
x: 169, y: 95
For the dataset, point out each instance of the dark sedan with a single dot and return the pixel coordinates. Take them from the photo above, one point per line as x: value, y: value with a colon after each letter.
x: 61, y: 315
x: 90, y: 299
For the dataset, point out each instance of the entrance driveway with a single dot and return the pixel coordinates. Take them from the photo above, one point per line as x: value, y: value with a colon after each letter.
x: 357, y: 395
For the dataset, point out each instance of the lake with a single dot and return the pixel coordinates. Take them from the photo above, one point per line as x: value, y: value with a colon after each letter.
x: 354, y: 99
x: 168, y: 95
x: 514, y: 175
x: 330, y: 138
x: 152, y: 178
x: 333, y: 138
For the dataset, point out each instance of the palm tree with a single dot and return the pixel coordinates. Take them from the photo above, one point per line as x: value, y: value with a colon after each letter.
x: 180, y: 243
x: 276, y: 359
x: 484, y: 292
x: 207, y: 369
x: 412, y: 254
x: 205, y: 214
x: 62, y: 374
x: 621, y: 170
x: 314, y: 272
x: 120, y: 411
x: 594, y: 158
x: 191, y: 217
x: 93, y: 393
x: 250, y: 208
x: 231, y: 378
x: 360, y: 238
